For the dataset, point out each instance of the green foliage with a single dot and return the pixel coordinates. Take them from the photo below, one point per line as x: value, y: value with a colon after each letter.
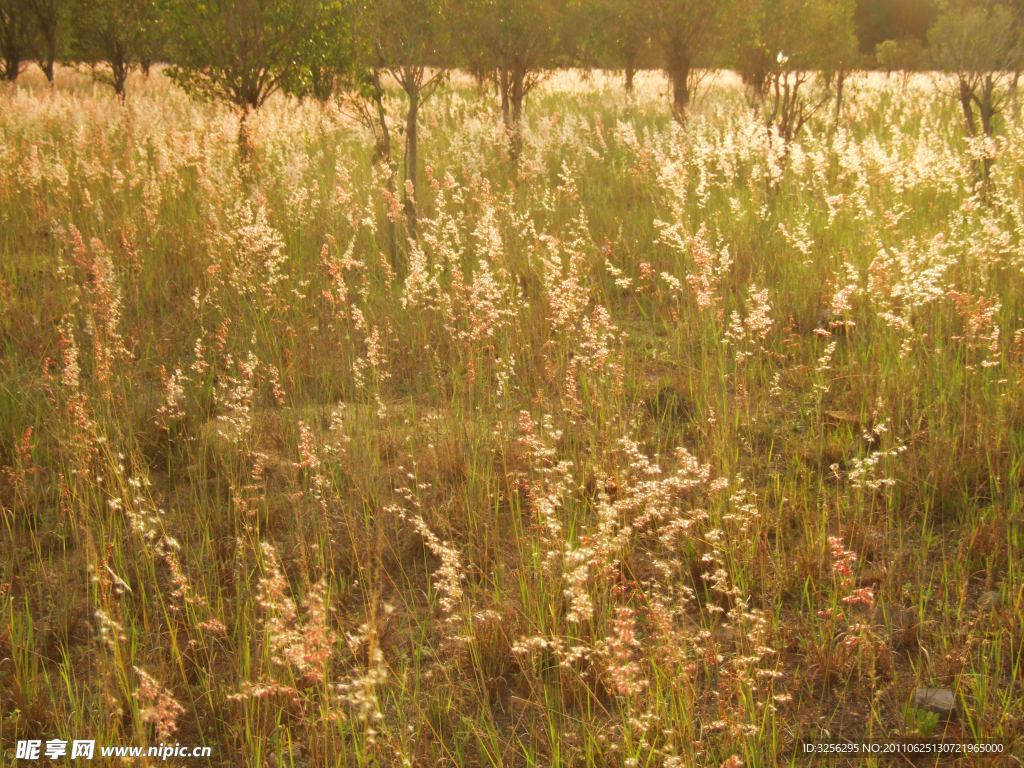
x: 973, y: 37
x: 879, y: 21
x: 780, y: 47
x: 624, y: 32
x: 517, y: 40
x: 114, y: 37
x: 785, y: 36
x: 49, y: 31
x: 687, y: 31
x: 919, y: 721
x: 981, y: 43
x: 328, y: 57
x: 242, y: 51
x: 408, y: 33
x: 14, y: 38
x: 902, y: 55
x: 834, y: 31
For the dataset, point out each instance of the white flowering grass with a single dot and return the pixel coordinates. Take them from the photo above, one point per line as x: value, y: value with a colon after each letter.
x: 662, y: 446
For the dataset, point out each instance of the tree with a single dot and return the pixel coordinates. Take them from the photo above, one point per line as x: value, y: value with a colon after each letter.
x: 902, y: 56
x: 240, y: 51
x: 688, y: 29
x: 327, y: 55
x: 407, y: 37
x: 112, y: 36
x: 782, y: 46
x: 47, y: 25
x: 841, y: 55
x: 14, y: 38
x: 368, y: 96
x: 342, y: 63
x: 878, y: 21
x: 472, y: 48
x: 517, y: 40
x: 626, y: 28
x: 980, y: 42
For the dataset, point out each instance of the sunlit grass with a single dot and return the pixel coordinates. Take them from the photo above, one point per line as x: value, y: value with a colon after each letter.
x: 664, y: 445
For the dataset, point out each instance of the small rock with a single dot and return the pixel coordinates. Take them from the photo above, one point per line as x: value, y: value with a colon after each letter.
x: 989, y: 602
x: 941, y: 701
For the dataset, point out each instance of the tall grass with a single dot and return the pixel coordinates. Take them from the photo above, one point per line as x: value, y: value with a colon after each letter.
x: 663, y: 446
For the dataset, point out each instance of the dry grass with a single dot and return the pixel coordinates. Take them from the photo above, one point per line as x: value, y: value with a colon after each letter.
x: 661, y: 447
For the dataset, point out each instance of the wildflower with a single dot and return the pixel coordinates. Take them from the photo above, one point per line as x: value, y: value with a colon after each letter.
x: 161, y: 708
x: 304, y: 644
x: 623, y: 671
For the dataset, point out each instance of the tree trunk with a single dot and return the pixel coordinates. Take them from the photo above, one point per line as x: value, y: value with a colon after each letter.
x: 244, y: 144
x: 987, y: 109
x: 119, y: 68
x: 11, y: 66
x: 840, y: 82
x: 503, y: 85
x: 13, y: 44
x: 384, y: 155
x: 516, y: 97
x: 384, y: 145
x: 47, y: 24
x: 411, y: 161
x: 120, y: 76
x: 679, y: 74
x: 966, y: 94
x: 987, y: 105
x: 518, y: 94
x: 630, y: 70
x: 480, y: 76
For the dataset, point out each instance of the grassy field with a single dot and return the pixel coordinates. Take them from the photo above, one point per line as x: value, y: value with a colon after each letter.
x: 663, y: 446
